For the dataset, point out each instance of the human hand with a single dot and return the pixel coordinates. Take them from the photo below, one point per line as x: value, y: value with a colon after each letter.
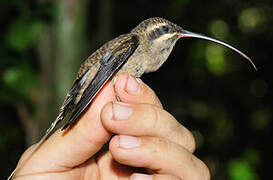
x: 146, y: 136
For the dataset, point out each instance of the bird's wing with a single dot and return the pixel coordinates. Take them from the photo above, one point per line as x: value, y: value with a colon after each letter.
x: 110, y: 63
x: 68, y: 104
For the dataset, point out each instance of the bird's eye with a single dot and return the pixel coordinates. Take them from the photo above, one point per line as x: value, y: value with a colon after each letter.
x: 165, y: 28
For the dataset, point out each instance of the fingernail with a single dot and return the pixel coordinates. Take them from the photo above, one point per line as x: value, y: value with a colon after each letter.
x: 121, y: 111
x: 141, y: 177
x: 132, y: 86
x: 129, y: 142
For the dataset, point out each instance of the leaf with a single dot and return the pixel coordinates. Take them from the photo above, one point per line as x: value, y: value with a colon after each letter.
x: 241, y: 170
x: 20, y: 79
x: 23, y: 33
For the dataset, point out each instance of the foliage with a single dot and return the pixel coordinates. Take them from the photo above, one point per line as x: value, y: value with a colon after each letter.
x: 22, y: 23
x: 23, y: 34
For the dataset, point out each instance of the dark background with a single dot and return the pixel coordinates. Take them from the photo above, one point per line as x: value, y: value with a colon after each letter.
x: 210, y: 89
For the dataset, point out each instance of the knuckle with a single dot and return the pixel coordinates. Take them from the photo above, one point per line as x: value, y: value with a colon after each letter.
x: 153, y: 118
x: 152, y: 97
x: 179, y: 134
x: 155, y: 99
x: 191, y: 143
x: 185, y: 138
x: 159, y: 122
x: 206, y: 173
x: 161, y: 145
x: 202, y: 171
x: 162, y: 123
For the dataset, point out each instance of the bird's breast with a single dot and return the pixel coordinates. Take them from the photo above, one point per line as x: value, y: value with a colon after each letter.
x: 136, y: 64
x: 145, y: 60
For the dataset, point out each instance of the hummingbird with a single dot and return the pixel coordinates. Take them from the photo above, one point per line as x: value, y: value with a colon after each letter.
x: 140, y: 51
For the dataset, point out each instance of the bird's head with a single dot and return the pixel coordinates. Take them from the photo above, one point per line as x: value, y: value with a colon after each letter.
x: 161, y: 35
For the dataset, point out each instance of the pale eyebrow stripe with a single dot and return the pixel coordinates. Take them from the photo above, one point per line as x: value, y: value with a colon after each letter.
x: 152, y: 28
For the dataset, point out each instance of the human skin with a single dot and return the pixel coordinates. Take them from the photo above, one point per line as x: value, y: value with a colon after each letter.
x: 141, y: 134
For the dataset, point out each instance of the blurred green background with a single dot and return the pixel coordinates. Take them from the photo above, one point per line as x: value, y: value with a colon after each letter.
x: 210, y: 89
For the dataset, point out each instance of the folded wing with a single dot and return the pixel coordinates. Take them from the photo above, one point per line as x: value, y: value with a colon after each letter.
x: 110, y: 63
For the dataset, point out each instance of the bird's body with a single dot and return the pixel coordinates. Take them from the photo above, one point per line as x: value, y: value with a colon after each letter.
x: 142, y: 50
x: 147, y: 47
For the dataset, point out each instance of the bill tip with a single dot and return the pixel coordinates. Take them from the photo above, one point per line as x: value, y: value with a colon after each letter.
x: 252, y: 63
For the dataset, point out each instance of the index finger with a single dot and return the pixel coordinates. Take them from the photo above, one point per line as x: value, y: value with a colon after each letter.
x: 133, y: 90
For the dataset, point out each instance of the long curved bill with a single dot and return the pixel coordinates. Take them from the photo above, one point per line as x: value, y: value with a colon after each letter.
x: 185, y: 33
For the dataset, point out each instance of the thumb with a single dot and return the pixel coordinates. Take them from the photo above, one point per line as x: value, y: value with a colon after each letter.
x: 67, y: 149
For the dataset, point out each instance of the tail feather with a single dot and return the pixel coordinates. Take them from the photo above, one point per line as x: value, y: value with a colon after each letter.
x: 36, y: 146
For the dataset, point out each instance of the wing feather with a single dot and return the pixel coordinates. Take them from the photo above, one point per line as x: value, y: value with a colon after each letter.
x: 110, y: 63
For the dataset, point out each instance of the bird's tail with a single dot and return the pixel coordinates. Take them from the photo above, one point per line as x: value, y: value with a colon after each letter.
x: 36, y: 146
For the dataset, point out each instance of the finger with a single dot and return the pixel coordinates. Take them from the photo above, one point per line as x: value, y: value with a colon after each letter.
x: 159, y: 155
x: 81, y: 143
x: 131, y: 90
x: 145, y: 120
x: 90, y: 143
x: 67, y: 149
x: 138, y: 176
